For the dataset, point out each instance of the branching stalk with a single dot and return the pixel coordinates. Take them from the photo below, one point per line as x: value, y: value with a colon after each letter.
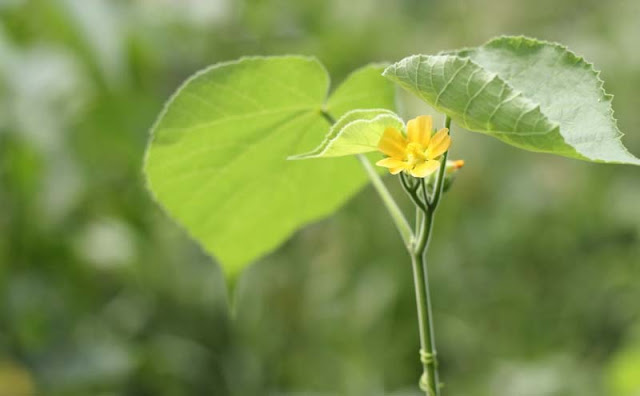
x: 417, y: 244
x: 429, y: 382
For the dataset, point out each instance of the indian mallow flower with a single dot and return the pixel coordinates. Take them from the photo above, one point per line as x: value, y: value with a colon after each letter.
x: 419, y: 152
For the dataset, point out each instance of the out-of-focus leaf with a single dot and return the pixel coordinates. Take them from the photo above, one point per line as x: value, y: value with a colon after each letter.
x: 15, y: 380
x: 624, y: 371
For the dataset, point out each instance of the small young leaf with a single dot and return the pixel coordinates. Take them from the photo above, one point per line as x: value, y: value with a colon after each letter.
x: 532, y: 94
x: 356, y: 132
x: 217, y: 156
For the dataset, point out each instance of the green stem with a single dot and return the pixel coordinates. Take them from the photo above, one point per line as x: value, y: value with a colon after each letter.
x: 430, y: 381
x: 418, y: 222
x: 440, y: 180
x: 392, y: 207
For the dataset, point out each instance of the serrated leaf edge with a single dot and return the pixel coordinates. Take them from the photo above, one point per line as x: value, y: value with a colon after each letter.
x: 589, y: 66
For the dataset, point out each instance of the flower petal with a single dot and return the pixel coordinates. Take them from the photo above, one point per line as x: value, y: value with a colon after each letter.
x: 395, y: 165
x: 392, y: 143
x: 419, y: 130
x: 425, y: 169
x: 391, y: 163
x: 439, y: 144
x: 439, y: 136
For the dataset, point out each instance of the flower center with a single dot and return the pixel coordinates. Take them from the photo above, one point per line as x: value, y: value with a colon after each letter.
x: 415, y: 154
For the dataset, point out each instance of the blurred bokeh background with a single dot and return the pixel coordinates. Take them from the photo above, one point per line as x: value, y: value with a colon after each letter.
x: 535, y: 265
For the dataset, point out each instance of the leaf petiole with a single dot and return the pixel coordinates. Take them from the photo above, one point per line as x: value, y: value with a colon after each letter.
x: 394, y: 210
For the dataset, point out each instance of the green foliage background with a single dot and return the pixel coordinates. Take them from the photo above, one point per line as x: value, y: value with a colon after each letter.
x: 536, y: 259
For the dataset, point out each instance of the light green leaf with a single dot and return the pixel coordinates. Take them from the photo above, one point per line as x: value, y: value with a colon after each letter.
x: 217, y: 157
x: 356, y: 132
x: 532, y: 94
x: 363, y: 89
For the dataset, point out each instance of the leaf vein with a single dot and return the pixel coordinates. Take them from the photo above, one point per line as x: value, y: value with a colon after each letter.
x: 448, y: 83
x: 475, y: 95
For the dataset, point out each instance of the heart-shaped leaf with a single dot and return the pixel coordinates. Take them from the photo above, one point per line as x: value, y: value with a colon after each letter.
x: 532, y: 94
x: 217, y: 159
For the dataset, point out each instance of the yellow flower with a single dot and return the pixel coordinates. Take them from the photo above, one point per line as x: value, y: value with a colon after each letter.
x: 418, y: 153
